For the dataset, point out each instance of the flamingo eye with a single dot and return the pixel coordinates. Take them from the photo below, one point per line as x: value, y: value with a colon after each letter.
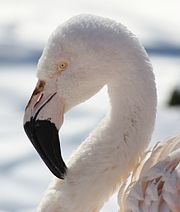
x: 61, y: 66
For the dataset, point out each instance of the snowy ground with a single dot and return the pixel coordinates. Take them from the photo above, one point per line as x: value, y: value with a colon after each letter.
x: 23, y: 176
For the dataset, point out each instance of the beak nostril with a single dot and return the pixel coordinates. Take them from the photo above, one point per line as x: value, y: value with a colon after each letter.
x: 43, y: 105
x: 39, y: 88
x: 38, y: 100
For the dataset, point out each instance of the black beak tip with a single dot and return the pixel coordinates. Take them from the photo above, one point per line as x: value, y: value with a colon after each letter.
x: 43, y: 134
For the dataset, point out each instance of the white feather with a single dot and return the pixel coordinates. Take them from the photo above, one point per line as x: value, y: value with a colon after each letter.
x: 101, y: 52
x: 159, y: 180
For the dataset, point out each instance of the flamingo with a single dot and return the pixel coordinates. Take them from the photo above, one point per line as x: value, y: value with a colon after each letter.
x: 83, y: 55
x: 155, y: 182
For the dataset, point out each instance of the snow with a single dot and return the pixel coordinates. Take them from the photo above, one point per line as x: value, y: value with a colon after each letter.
x: 149, y: 20
x: 23, y: 176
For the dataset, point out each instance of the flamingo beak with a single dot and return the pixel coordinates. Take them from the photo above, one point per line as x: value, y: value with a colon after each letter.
x: 42, y: 119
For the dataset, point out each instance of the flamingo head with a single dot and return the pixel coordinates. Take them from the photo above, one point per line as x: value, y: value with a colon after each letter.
x: 76, y: 63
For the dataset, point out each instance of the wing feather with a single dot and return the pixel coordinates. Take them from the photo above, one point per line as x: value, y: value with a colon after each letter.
x: 154, y: 184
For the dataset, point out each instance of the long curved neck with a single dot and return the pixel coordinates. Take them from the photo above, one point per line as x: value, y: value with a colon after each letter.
x: 111, y: 151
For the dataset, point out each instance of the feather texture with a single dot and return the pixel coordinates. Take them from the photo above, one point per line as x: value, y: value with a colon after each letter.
x: 155, y: 183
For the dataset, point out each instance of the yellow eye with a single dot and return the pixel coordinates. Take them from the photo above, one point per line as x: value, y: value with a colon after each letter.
x: 62, y: 66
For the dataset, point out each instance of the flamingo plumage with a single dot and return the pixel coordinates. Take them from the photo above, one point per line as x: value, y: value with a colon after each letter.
x: 155, y: 182
x: 82, y: 55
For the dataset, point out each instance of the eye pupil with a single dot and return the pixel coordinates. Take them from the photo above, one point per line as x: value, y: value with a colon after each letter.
x: 62, y: 66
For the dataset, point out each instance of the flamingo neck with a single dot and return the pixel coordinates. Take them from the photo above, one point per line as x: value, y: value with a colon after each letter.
x: 104, y: 160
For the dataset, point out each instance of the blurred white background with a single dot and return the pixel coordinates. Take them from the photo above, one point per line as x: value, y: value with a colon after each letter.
x: 25, y: 26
